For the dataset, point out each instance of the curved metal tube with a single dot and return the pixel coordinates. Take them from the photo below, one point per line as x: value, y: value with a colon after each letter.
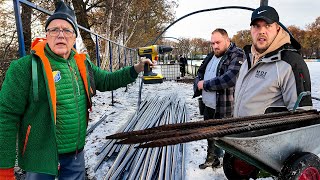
x: 196, y: 12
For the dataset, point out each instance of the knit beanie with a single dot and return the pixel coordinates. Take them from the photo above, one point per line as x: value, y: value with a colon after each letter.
x: 64, y: 12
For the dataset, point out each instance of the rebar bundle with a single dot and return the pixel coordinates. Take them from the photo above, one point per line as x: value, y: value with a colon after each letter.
x: 192, y: 131
x: 148, y: 163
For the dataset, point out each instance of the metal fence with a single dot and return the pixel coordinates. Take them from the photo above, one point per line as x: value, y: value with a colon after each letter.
x: 115, y: 56
x: 170, y: 71
x: 192, y: 69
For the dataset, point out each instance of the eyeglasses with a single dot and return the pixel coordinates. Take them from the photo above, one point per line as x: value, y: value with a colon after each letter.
x: 54, y: 32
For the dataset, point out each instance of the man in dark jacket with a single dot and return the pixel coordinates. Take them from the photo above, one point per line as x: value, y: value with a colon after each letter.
x: 44, y: 103
x: 215, y: 82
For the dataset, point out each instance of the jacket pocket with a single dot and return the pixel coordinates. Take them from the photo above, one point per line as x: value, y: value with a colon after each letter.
x: 26, y: 140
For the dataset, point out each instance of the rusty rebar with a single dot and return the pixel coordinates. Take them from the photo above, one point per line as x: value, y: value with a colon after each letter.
x: 197, y: 124
x: 185, y: 132
x: 154, y: 134
x: 212, y: 134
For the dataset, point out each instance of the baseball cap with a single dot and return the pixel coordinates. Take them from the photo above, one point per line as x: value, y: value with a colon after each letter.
x: 64, y: 12
x: 267, y: 13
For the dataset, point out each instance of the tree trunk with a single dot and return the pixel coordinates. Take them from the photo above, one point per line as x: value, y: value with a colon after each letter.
x: 26, y: 25
x: 82, y: 19
x: 104, y: 63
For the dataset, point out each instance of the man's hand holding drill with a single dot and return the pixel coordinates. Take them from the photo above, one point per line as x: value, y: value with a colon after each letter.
x: 139, y: 67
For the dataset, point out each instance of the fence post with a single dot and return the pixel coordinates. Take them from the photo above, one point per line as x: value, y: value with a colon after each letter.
x: 125, y: 64
x: 97, y: 50
x: 119, y: 56
x: 125, y: 56
x: 191, y: 67
x: 131, y: 58
x: 16, y: 6
x: 110, y: 66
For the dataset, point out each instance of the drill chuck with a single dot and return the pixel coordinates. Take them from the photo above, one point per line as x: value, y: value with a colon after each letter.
x: 164, y: 49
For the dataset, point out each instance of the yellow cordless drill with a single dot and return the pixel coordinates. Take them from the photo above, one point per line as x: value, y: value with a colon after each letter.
x: 151, y: 52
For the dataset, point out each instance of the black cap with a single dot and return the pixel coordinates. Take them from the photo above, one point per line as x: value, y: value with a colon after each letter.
x: 267, y: 13
x: 64, y: 12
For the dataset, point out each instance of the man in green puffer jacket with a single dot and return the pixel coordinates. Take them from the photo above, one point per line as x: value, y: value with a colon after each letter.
x: 44, y: 103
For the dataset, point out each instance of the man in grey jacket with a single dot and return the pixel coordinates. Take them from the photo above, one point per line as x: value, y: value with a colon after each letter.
x: 274, y: 73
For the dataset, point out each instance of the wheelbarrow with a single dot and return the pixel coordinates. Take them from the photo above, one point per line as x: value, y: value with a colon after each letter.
x: 290, y: 154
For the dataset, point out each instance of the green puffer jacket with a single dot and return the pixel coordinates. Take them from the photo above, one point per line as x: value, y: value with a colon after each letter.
x: 29, y: 107
x: 71, y: 103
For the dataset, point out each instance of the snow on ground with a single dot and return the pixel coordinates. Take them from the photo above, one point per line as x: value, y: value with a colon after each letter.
x: 126, y: 105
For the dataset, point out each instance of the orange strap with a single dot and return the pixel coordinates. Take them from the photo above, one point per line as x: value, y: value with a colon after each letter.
x: 39, y: 49
x: 7, y: 174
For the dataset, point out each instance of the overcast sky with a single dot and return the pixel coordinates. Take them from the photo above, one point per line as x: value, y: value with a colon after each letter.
x: 291, y: 12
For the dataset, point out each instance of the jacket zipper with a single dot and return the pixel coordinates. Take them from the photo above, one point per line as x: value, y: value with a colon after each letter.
x: 75, y: 81
x: 26, y: 139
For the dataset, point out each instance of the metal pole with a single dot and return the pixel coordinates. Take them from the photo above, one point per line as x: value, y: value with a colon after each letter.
x: 263, y: 2
x: 119, y: 57
x: 97, y: 50
x: 125, y: 56
x: 131, y: 58
x: 110, y: 65
x: 16, y: 5
x: 125, y: 64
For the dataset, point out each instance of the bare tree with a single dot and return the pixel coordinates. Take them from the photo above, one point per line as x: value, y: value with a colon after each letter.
x: 26, y: 24
x: 82, y: 19
x: 313, y: 38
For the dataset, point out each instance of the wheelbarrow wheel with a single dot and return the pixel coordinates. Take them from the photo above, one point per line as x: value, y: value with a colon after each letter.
x: 235, y: 168
x: 301, y: 166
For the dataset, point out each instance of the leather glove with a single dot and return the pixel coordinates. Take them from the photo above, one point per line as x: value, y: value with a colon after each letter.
x: 7, y: 174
